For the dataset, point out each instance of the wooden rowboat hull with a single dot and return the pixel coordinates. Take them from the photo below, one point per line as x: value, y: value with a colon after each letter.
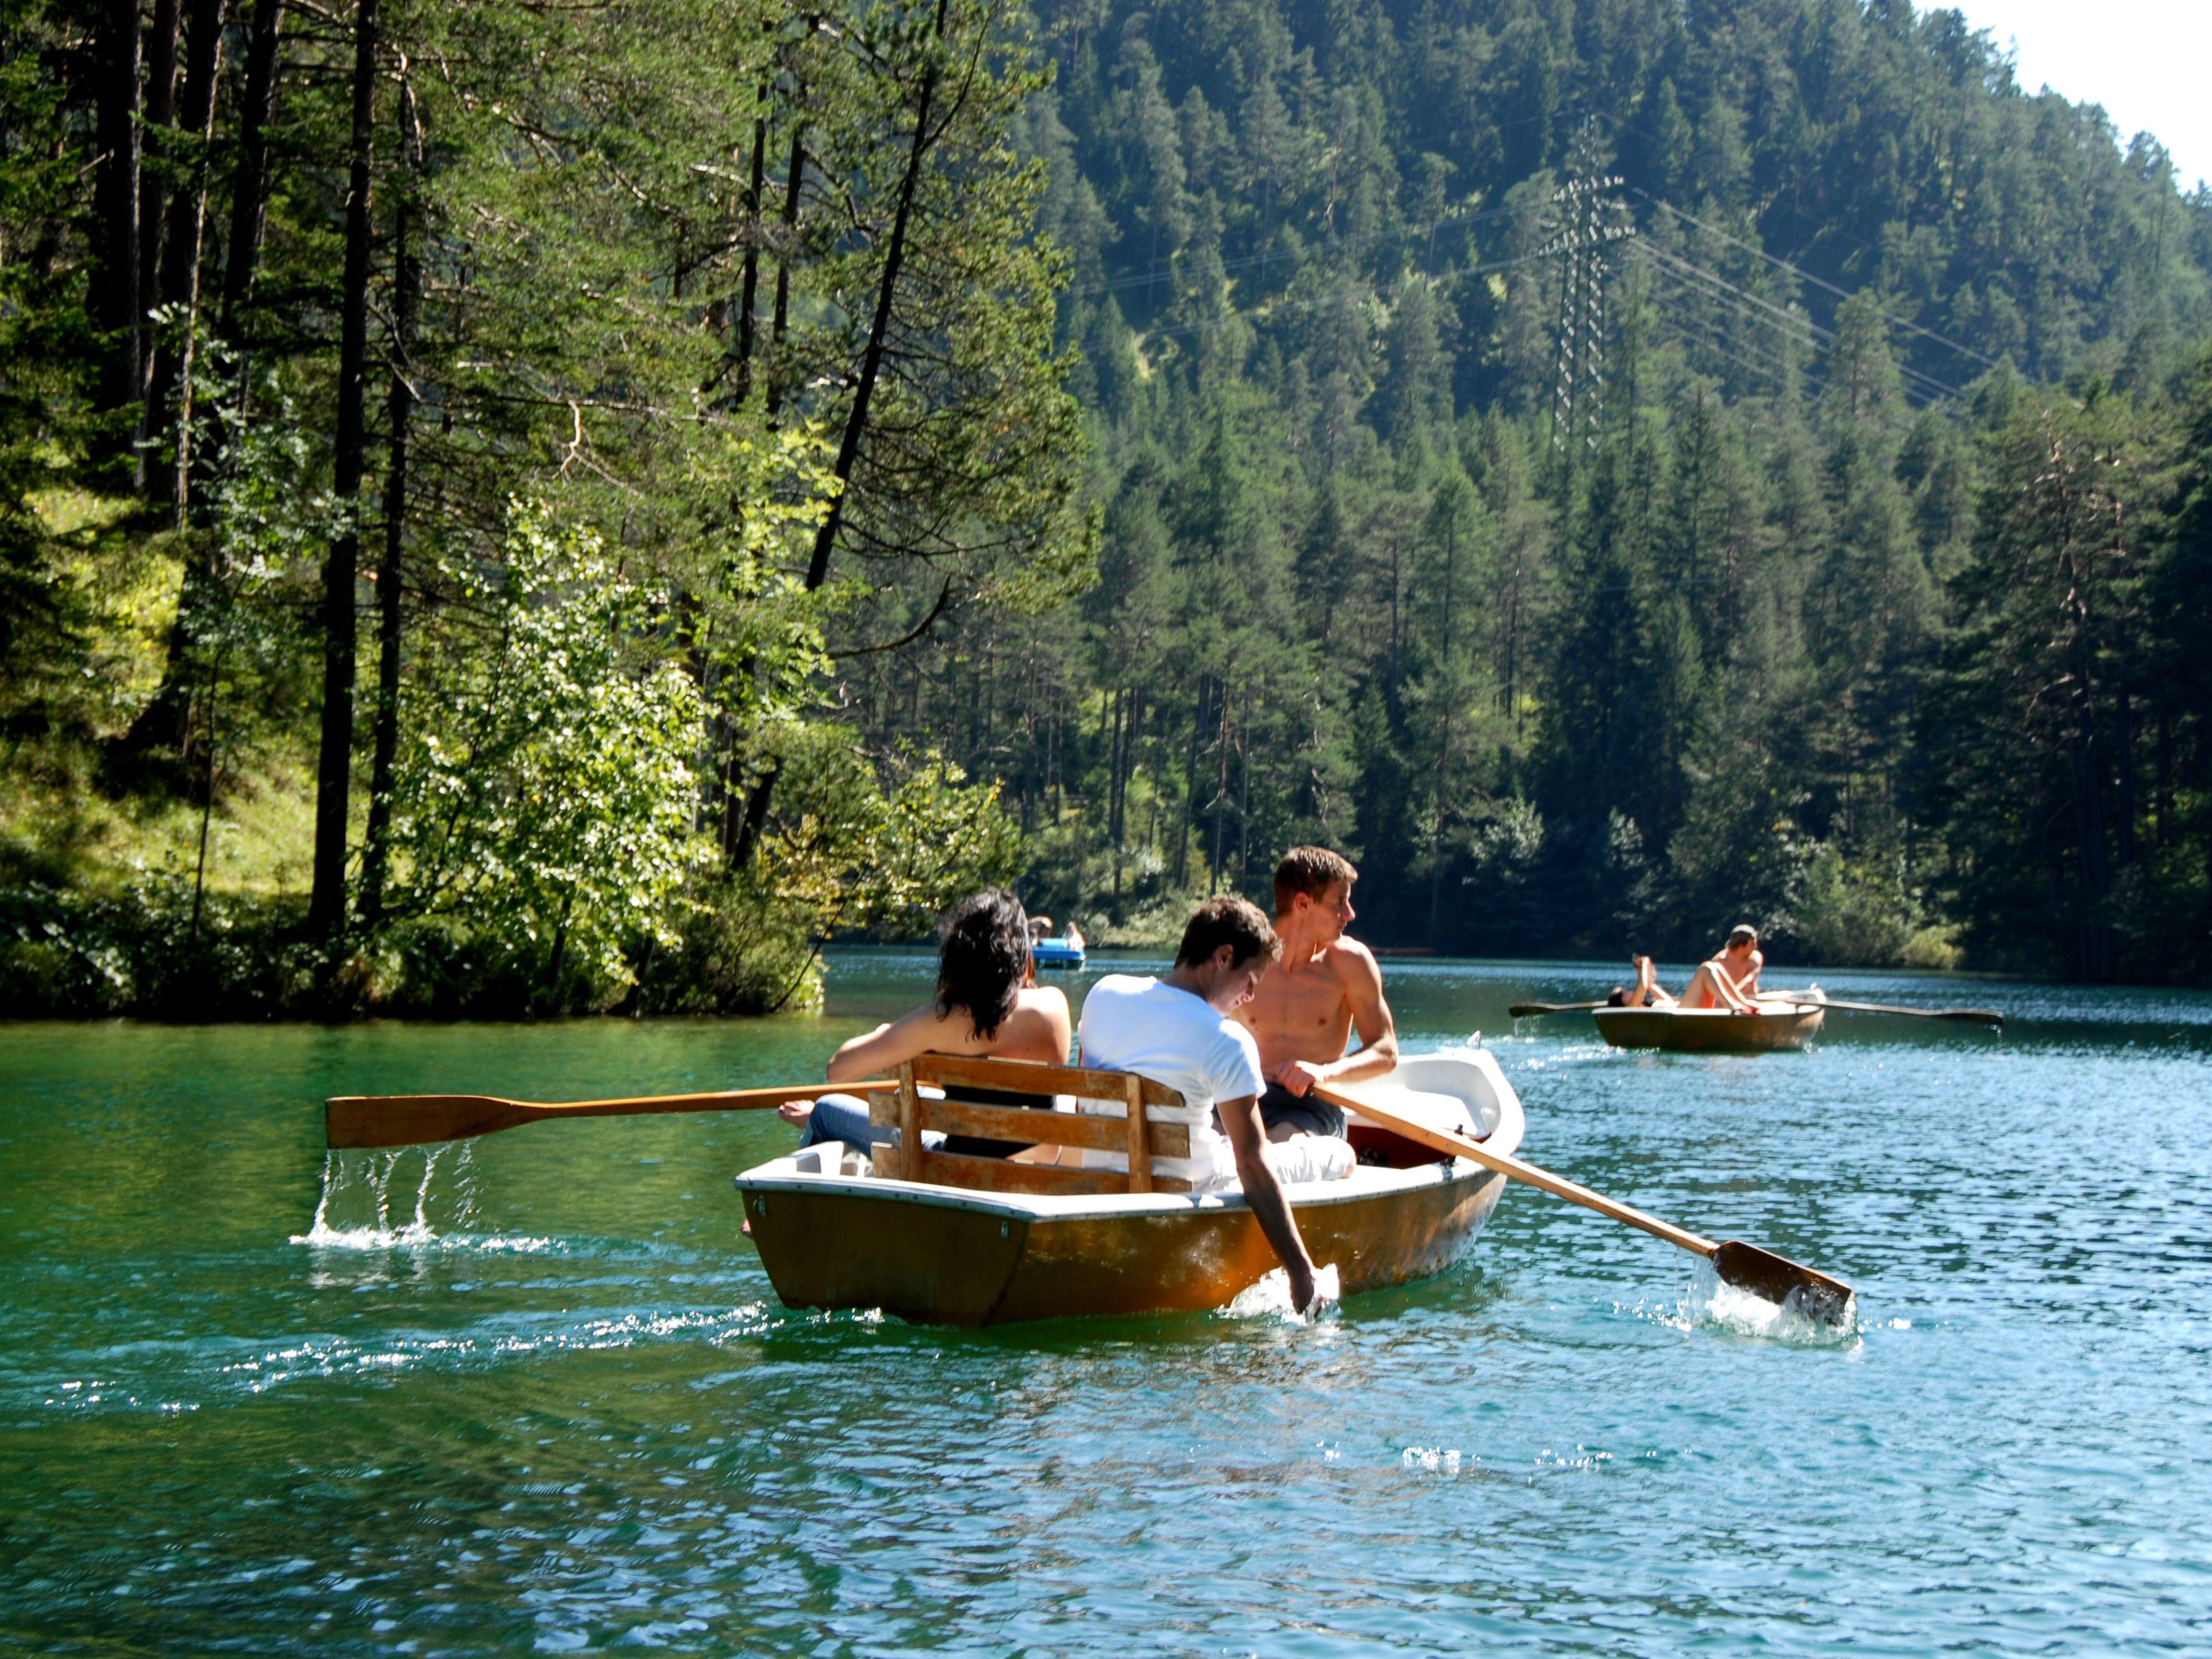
x: 1708, y: 1030
x: 942, y: 1256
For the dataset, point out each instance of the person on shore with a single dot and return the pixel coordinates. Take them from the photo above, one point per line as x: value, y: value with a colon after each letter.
x: 1730, y: 979
x: 1327, y: 985
x: 988, y: 1002
x: 1177, y: 1029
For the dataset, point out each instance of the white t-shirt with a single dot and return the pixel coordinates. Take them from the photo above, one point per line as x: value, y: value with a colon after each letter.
x: 1174, y: 1037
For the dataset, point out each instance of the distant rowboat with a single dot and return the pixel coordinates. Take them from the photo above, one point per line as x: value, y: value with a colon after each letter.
x: 969, y: 1241
x: 1709, y: 1031
x: 1056, y: 953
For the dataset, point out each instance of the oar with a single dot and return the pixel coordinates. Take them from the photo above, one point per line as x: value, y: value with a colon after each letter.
x: 1521, y: 1010
x: 418, y: 1120
x: 1976, y: 1016
x: 1745, y: 1266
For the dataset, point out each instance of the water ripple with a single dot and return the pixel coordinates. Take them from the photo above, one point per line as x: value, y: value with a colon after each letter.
x: 536, y: 1395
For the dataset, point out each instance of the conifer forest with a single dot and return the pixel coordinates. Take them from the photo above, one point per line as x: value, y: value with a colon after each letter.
x: 514, y: 508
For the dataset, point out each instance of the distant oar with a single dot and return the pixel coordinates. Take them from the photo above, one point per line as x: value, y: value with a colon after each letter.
x: 1976, y: 1016
x: 1745, y: 1266
x: 1521, y: 1010
x: 419, y: 1120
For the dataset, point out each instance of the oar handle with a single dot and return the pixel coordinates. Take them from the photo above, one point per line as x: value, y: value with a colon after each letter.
x: 1505, y: 1164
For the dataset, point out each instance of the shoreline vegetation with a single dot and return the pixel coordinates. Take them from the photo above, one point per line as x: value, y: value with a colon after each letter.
x: 509, y: 514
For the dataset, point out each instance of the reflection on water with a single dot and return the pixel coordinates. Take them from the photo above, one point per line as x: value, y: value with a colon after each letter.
x: 533, y: 1393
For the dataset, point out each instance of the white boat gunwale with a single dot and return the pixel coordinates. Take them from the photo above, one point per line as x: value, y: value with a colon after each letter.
x: 1366, y: 1181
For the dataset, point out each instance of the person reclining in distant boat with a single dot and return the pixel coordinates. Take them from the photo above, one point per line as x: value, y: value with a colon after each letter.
x: 1303, y: 1013
x: 1177, y: 1029
x: 988, y: 1002
x: 1727, y: 979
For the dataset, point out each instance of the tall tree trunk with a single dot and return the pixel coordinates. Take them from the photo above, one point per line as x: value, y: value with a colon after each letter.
x: 1188, y: 816
x: 2123, y: 740
x: 400, y: 405
x: 2096, y: 934
x: 1113, y: 811
x: 166, y: 722
x: 2163, y: 777
x: 1444, y: 746
x: 871, y: 361
x: 749, y: 284
x: 781, y: 324
x: 741, y: 832
x: 1244, y: 795
x: 181, y: 248
x: 1220, y: 791
x: 341, y: 570
x: 872, y: 364
x: 249, y: 184
x: 116, y: 306
x: 160, y: 49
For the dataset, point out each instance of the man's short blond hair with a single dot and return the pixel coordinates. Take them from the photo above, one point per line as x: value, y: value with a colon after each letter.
x: 1311, y: 870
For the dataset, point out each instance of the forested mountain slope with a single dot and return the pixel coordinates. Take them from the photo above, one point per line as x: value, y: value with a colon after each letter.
x: 1616, y: 468
x: 522, y: 508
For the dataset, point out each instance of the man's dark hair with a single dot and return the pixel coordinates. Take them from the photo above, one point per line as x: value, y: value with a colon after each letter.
x: 1232, y: 921
x: 984, y: 955
x: 1742, y: 933
x: 1311, y: 870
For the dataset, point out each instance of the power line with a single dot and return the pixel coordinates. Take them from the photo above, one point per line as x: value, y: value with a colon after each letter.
x: 1803, y: 274
x: 1269, y: 308
x: 1822, y: 338
x: 1153, y: 272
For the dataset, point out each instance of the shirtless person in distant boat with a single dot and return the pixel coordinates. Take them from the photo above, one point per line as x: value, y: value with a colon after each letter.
x: 1325, y: 987
x: 1730, y: 979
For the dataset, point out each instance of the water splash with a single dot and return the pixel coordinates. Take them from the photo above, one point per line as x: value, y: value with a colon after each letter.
x: 1270, y: 1297
x: 361, y: 1193
x: 1431, y: 1460
x: 1713, y: 1305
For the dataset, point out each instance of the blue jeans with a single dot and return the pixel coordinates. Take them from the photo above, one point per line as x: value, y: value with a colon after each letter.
x: 845, y: 1117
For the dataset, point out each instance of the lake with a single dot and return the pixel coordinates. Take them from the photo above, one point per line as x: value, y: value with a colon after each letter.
x: 536, y: 1395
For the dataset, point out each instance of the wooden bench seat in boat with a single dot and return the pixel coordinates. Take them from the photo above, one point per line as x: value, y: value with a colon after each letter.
x: 1131, y: 1131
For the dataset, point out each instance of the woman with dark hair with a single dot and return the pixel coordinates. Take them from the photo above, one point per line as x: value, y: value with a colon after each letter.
x: 988, y: 1002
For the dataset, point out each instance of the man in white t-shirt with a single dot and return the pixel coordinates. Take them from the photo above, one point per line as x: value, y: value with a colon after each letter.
x: 1176, y: 1031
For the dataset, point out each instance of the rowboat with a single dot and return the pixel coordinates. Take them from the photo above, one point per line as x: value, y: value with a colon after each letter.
x: 1775, y: 1027
x: 1006, y: 1241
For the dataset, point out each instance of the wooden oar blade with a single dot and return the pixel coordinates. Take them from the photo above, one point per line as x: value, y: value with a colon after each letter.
x: 1777, y: 1279
x: 368, y: 1120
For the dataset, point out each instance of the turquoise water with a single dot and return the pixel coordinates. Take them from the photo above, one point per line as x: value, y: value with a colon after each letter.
x: 565, y: 1412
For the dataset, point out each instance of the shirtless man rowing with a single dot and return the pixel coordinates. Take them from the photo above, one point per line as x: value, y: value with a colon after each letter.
x: 1727, y: 979
x: 1326, y: 985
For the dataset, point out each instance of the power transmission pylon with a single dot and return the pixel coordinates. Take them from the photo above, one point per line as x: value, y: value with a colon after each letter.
x: 1589, y: 219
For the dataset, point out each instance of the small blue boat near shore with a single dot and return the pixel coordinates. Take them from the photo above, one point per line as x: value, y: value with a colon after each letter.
x: 1056, y: 953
